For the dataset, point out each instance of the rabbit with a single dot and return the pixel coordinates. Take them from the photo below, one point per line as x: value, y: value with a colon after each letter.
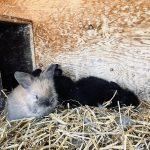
x: 92, y: 91
x: 95, y: 91
x: 34, y: 96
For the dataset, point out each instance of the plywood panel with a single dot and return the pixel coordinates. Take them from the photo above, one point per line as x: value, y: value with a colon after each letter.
x: 108, y: 39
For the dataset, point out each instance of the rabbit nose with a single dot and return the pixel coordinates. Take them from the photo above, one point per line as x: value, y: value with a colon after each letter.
x: 45, y: 102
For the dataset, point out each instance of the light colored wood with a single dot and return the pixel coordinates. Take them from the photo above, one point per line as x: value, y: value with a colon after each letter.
x: 117, y: 46
x: 125, y: 64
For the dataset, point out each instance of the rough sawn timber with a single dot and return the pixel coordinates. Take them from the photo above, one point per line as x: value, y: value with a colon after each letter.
x: 116, y: 47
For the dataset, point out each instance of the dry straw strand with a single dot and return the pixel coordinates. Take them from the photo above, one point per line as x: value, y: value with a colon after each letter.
x: 81, y: 128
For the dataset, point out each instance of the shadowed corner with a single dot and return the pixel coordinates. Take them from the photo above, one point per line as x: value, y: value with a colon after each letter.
x: 2, y: 102
x: 16, y: 51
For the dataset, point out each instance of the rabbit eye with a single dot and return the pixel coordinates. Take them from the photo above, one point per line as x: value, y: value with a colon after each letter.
x: 37, y: 97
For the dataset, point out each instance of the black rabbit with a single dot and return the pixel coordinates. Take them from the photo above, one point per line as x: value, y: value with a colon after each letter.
x: 90, y: 91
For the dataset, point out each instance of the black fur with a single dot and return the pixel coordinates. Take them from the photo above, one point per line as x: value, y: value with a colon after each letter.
x: 36, y: 72
x: 91, y: 91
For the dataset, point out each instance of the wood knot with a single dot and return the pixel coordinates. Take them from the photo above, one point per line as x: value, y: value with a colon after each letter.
x: 111, y: 69
x: 90, y: 27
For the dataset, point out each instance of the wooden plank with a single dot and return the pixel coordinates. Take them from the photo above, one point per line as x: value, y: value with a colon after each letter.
x: 117, y: 48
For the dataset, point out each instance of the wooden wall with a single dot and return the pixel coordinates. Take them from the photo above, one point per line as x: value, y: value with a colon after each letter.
x: 108, y: 39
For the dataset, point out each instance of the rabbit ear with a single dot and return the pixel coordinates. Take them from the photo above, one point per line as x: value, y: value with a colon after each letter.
x: 36, y: 72
x: 24, y: 79
x: 49, y: 72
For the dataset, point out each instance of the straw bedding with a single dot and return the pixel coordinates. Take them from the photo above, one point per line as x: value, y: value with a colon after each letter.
x: 80, y: 128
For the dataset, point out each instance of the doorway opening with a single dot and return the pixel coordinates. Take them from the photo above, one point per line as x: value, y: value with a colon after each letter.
x: 16, y: 51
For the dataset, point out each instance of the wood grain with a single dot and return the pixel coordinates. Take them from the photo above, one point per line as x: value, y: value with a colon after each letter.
x: 117, y: 47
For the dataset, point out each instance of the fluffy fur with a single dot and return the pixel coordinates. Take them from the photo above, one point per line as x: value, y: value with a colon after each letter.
x: 91, y: 91
x: 94, y: 91
x: 34, y: 97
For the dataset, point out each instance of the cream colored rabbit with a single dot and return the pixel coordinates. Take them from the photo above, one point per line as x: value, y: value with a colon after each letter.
x: 34, y: 97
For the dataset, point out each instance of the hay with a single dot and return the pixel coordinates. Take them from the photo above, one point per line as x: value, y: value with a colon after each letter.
x: 80, y: 128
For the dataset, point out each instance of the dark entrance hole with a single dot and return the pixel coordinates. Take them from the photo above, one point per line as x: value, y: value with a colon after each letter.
x: 16, y: 51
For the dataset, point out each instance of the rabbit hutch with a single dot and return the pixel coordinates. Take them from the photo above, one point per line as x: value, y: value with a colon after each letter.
x: 107, y: 39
